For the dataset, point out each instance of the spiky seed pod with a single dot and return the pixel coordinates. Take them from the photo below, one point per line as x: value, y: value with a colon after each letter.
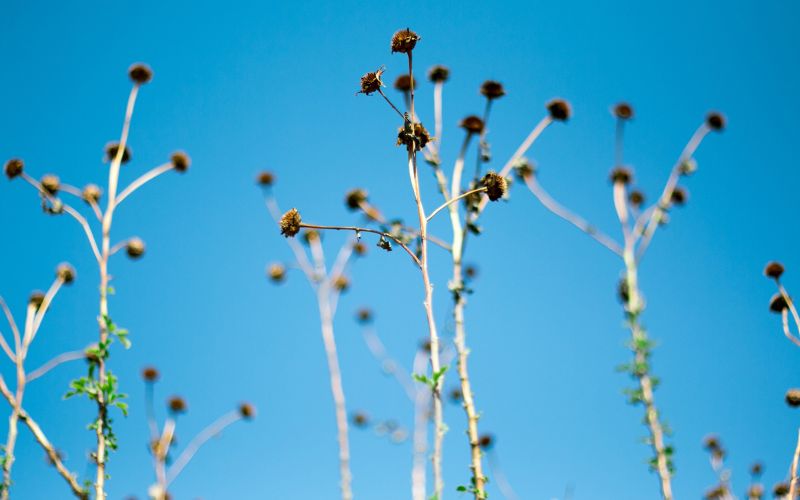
x: 403, y: 83
x: 559, y: 110
x: 404, y: 41
x: 495, y: 185
x: 150, y: 374
x: 276, y: 272
x: 715, y: 121
x: 773, y: 270
x: 14, y: 167
x: 36, y: 299
x: 51, y: 184
x: 341, y: 283
x: 360, y: 249
x: 247, y: 411
x: 360, y: 419
x: 180, y: 161
x: 438, y: 74
x: 679, y: 196
x: 354, y: 198
x: 636, y: 198
x: 310, y: 236
x: 140, y: 73
x: 486, y: 441
x: 176, y: 405
x: 265, y: 179
x: 65, y: 273
x: 777, y: 303
x: 364, y: 315
x: 371, y: 82
x: 135, y: 248
x: 622, y: 175
x: 416, y: 139
x: 757, y: 469
x: 492, y: 89
x: 793, y: 397
x: 290, y: 223
x: 780, y: 490
x: 91, y: 193
x: 623, y: 111
x: 473, y: 124
x: 456, y: 396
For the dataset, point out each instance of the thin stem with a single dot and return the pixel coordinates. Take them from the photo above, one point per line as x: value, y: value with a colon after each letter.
x: 43, y: 308
x: 422, y: 403
x: 11, y: 323
x: 437, y: 113
x: 502, y: 482
x: 453, y: 200
x: 788, y: 331
x: 141, y: 181
x: 458, y: 168
x: 794, y: 484
x: 58, y: 360
x: 389, y: 365
x: 365, y: 230
x: 392, y: 104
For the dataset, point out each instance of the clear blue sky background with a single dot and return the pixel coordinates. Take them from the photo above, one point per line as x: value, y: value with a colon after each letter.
x: 250, y: 86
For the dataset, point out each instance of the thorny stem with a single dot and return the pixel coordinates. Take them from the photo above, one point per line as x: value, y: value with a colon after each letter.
x: 366, y: 230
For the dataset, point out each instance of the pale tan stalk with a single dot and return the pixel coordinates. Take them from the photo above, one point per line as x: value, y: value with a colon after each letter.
x: 366, y: 230
x: 422, y: 404
x: 56, y: 361
x: 794, y: 483
x: 142, y: 180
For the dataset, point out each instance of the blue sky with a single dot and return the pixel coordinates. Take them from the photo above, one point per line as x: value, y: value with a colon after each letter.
x: 249, y: 86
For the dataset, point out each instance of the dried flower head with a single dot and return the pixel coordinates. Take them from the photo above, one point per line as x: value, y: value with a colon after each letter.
x: 756, y: 469
x: 472, y: 124
x: 715, y: 121
x: 621, y: 175
x: 354, y: 198
x: 65, y: 273
x: 793, y: 397
x: 414, y: 136
x: 364, y: 315
x: 773, y: 270
x: 140, y: 73
x: 150, y: 374
x: 495, y: 185
x: 711, y: 443
x: 636, y: 198
x: 718, y: 492
x: 91, y: 193
x: 755, y: 492
x: 780, y: 490
x: 679, y: 196
x: 359, y: 249
x: 471, y: 272
x: 180, y: 161
x: 456, y: 396
x: 341, y: 283
x: 438, y: 74
x: 112, y: 148
x: 623, y: 291
x: 265, y: 179
x: 247, y: 411
x: 360, y: 419
x: 404, y: 41
x: 36, y: 299
x: 176, y: 405
x: 492, y: 89
x: 51, y: 184
x: 135, y: 248
x: 623, y: 111
x: 425, y: 345
x: 371, y: 82
x: 559, y: 110
x: 486, y: 441
x: 290, y: 223
x: 13, y: 167
x: 403, y: 83
x: 778, y: 303
x: 276, y: 272
x: 524, y: 168
x: 688, y: 167
x: 310, y: 236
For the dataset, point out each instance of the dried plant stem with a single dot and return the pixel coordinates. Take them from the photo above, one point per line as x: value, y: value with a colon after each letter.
x: 453, y: 200
x: 500, y: 478
x: 142, y: 180
x: 366, y: 230
x: 422, y: 404
x: 794, y: 482
x: 437, y: 113
x: 58, y: 360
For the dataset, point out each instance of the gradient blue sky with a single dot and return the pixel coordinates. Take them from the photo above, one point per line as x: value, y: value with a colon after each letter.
x: 250, y: 86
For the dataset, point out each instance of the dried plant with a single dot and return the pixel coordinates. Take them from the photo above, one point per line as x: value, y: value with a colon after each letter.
x: 100, y: 384
x: 717, y: 454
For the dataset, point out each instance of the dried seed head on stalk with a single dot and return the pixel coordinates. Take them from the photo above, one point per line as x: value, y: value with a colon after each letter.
x: 438, y: 74
x: 623, y: 111
x: 91, y: 193
x: 774, y: 270
x: 688, y: 167
x: 492, y: 89
x: 265, y: 179
x: 524, y: 168
x: 65, y: 273
x: 354, y: 198
x: 793, y: 397
x: 247, y: 411
x: 495, y: 185
x: 111, y: 152
x: 276, y: 272
x: 36, y: 299
x: 715, y: 121
x: 471, y: 272
x: 364, y: 315
x: 403, y: 83
x: 559, y: 110
x: 404, y: 41
x: 778, y: 303
x: 756, y: 469
x: 177, y: 405
x: 621, y: 175
x: 311, y: 235
x: 341, y: 283
x: 755, y: 491
x: 135, y: 248
x: 51, y: 184
x: 360, y: 419
x: 679, y: 196
x: 180, y: 161
x: 371, y: 82
x: 414, y: 136
x: 290, y: 223
x: 472, y: 124
x: 636, y: 198
x: 486, y: 441
x: 780, y: 490
x: 140, y: 73
x: 456, y: 396
x: 13, y: 167
x: 150, y: 374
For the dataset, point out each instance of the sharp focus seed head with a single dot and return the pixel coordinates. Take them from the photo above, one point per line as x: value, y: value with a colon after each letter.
x: 623, y: 111
x: 111, y: 152
x: 715, y: 121
x: 473, y: 124
x: 135, y: 248
x: 371, y: 82
x: 13, y: 167
x: 140, y: 73
x: 276, y: 272
x: 66, y: 273
x: 559, y: 109
x: 354, y: 198
x: 180, y: 161
x: 778, y: 303
x: 290, y: 223
x: 177, y: 405
x: 51, y: 184
x: 404, y: 41
x: 492, y: 89
x: 265, y: 179
x: 496, y: 185
x: 403, y: 83
x: 150, y: 374
x: 247, y: 411
x: 774, y: 270
x: 438, y: 74
x: 91, y: 193
x: 416, y: 140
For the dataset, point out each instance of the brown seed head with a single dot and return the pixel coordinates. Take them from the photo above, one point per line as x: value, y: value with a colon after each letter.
x: 486, y: 441
x: 150, y: 374
x: 793, y: 397
x: 495, y: 185
x: 404, y: 41
x: 778, y: 303
x: 773, y: 270
x: 715, y: 121
x: 636, y: 198
x: 36, y: 299
x: 247, y: 411
x: 403, y: 83
x: 276, y: 272
x: 310, y: 236
x: 91, y: 193
x: 51, y: 184
x: 711, y: 443
x: 472, y: 124
x: 354, y: 198
x: 360, y: 419
x: 341, y: 283
x: 265, y: 179
x: 755, y: 492
x: 492, y: 89
x: 679, y: 196
x: 111, y: 152
x: 621, y: 175
x: 456, y: 396
x: 438, y: 74
x: 180, y: 161
x: 290, y: 223
x: 416, y: 139
x: 359, y: 249
x: 780, y: 490
x: 559, y: 109
x: 757, y: 468
x: 140, y: 73
x: 524, y: 169
x: 471, y: 272
x: 623, y: 111
x: 364, y: 315
x: 371, y: 82
x: 13, y: 167
x: 177, y: 405
x: 135, y: 248
x: 66, y: 273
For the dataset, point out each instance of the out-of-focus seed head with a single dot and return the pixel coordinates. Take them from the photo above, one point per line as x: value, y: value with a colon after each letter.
x: 415, y: 139
x: 404, y: 41
x: 621, y: 175
x: 471, y: 272
x: 140, y: 73
x: 354, y: 198
x: 265, y: 179
x: 718, y: 492
x: 756, y: 469
x: 403, y: 83
x: 780, y: 490
x: 473, y: 124
x: 36, y: 299
x: 774, y: 270
x: 341, y: 283
x: 276, y: 272
x: 623, y: 291
x: 51, y: 183
x: 623, y: 111
x: 679, y: 196
x: 91, y: 193
x: 688, y: 167
x: 793, y: 397
x: 492, y: 89
x: 111, y: 152
x: 711, y: 443
x: 755, y: 492
x: 180, y: 161
x: 176, y: 405
x: 135, y: 248
x: 438, y: 74
x: 371, y: 82
x: 715, y: 121
x: 65, y: 273
x: 310, y: 236
x: 778, y: 303
x: 425, y: 345
x: 636, y: 198
x: 364, y: 315
x: 359, y: 249
x: 247, y: 411
x: 13, y: 167
x: 495, y: 185
x: 559, y: 110
x: 150, y: 374
x: 290, y: 223
x: 524, y: 169
x: 456, y: 396
x: 360, y: 419
x: 486, y: 441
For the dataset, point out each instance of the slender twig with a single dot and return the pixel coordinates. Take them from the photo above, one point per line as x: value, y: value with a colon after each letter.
x: 452, y: 200
x: 391, y: 104
x: 56, y: 361
x: 11, y: 322
x: 794, y: 484
x: 141, y: 181
x: 366, y: 230
x: 43, y: 308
